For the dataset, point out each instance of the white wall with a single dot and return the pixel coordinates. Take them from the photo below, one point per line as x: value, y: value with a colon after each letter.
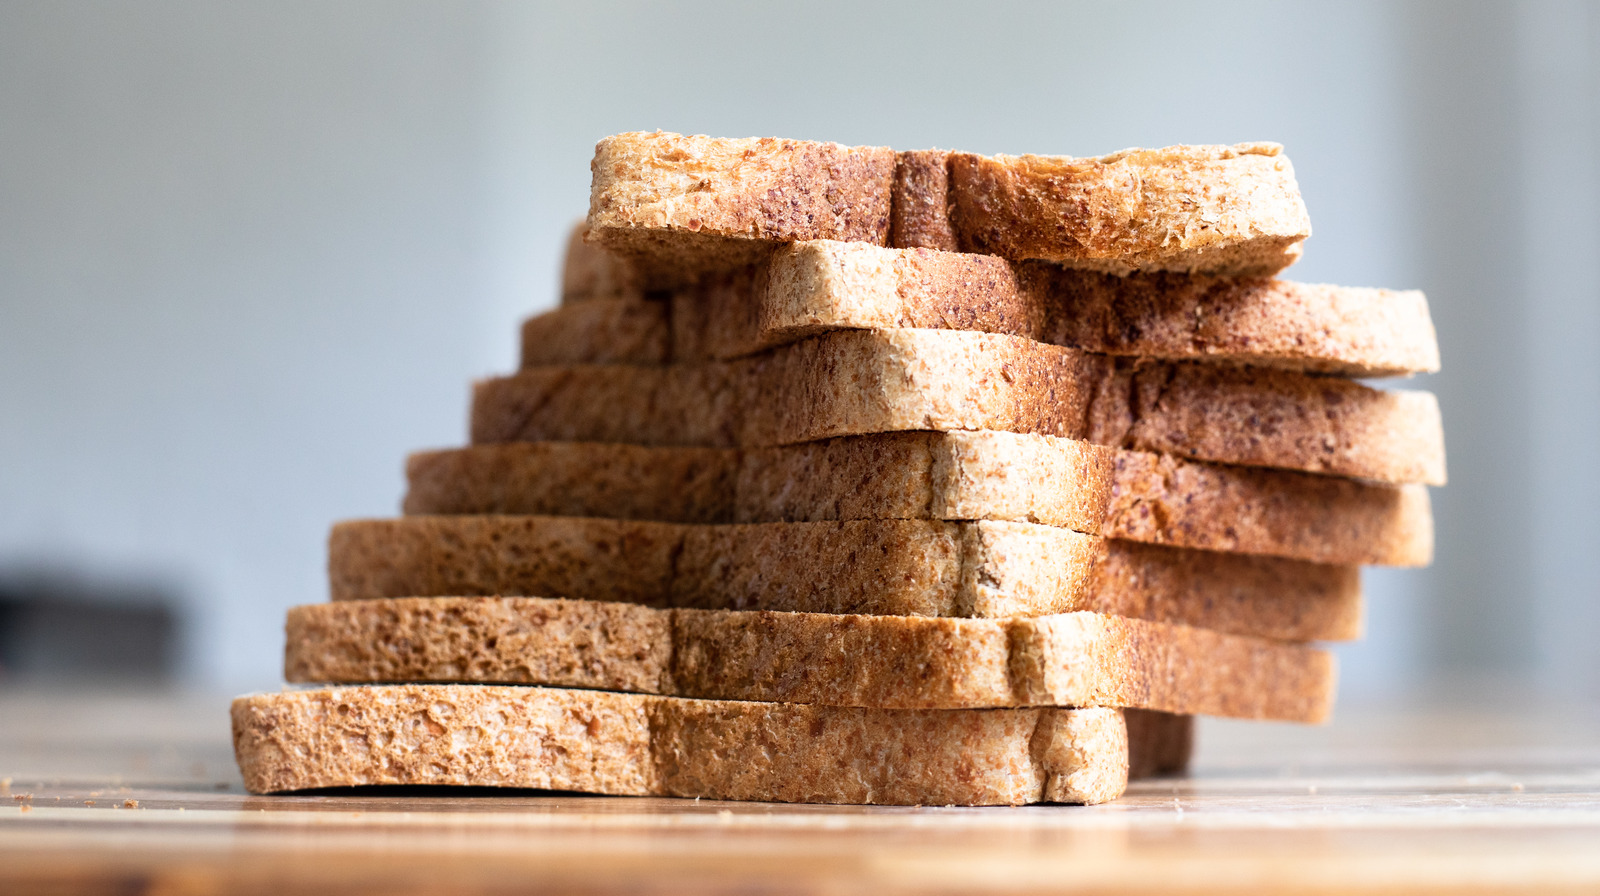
x: 252, y: 254
x: 240, y: 254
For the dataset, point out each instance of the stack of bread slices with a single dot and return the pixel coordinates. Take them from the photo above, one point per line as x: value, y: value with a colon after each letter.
x: 854, y: 476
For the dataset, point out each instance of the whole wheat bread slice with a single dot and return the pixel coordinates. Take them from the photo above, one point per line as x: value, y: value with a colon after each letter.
x: 807, y: 288
x: 590, y: 273
x: 979, y: 475
x: 676, y: 206
x: 878, y: 568
x: 680, y: 206
x: 1160, y: 499
x: 886, y: 662
x: 641, y: 745
x: 866, y: 381
x: 601, y: 331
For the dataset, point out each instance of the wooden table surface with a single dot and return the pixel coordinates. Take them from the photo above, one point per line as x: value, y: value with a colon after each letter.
x: 138, y: 794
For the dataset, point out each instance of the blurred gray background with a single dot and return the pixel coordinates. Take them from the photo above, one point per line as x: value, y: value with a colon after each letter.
x: 252, y: 254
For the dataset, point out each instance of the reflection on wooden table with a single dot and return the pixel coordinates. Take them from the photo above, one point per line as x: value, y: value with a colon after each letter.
x: 139, y: 794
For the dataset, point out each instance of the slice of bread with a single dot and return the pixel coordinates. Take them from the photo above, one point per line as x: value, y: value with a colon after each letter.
x: 887, y: 662
x: 1160, y: 499
x: 1223, y: 209
x: 897, y: 475
x: 681, y: 206
x: 590, y: 273
x: 677, y: 205
x: 979, y: 475
x: 878, y: 568
x: 1266, y: 597
x: 867, y: 381
x: 600, y: 331
x: 639, y: 745
x: 808, y: 288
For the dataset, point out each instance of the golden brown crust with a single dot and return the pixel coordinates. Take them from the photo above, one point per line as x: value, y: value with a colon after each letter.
x: 927, y: 475
x: 921, y: 214
x: 864, y: 381
x: 887, y: 568
x: 631, y: 744
x: 886, y: 662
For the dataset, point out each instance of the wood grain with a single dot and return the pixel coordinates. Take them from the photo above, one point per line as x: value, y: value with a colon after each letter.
x: 1421, y: 800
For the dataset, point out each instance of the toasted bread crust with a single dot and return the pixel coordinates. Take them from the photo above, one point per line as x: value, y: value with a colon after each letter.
x: 632, y: 744
x: 921, y: 213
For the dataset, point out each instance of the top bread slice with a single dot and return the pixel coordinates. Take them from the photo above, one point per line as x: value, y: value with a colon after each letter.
x: 854, y: 382
x: 806, y: 288
x: 679, y: 206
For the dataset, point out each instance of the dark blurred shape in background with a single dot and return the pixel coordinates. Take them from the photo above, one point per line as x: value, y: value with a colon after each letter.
x: 56, y: 628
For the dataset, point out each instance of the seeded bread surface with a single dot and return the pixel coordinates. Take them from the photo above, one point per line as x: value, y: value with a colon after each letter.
x: 640, y: 745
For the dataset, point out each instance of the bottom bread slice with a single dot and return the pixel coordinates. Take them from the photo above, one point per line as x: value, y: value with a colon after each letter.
x: 637, y: 745
x: 892, y: 662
